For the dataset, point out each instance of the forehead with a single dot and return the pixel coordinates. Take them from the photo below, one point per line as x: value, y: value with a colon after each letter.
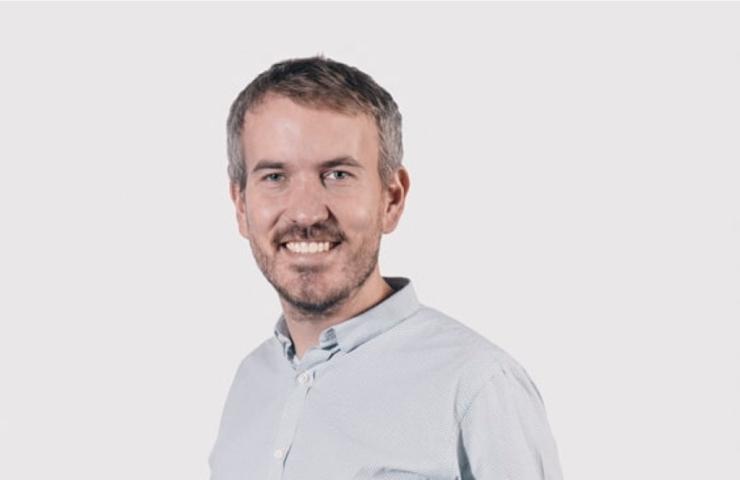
x: 282, y: 130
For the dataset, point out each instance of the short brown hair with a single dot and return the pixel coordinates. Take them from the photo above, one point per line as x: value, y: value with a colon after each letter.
x: 319, y: 82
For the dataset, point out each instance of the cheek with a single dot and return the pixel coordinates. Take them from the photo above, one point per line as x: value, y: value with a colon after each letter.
x: 260, y: 215
x: 357, y: 216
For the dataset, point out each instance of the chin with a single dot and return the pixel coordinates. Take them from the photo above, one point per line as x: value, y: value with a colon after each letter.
x: 312, y: 300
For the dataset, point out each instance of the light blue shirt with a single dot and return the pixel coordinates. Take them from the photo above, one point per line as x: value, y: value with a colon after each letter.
x: 401, y: 391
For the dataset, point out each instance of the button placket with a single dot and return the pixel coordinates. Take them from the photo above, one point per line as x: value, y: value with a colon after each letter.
x: 292, y: 413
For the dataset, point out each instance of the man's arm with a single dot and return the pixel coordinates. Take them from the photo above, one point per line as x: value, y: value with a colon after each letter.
x: 504, y: 433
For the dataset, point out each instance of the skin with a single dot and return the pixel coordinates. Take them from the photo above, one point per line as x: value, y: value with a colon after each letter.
x: 312, y: 175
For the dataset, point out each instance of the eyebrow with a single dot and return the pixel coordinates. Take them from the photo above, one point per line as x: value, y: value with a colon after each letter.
x: 268, y: 165
x: 344, y: 160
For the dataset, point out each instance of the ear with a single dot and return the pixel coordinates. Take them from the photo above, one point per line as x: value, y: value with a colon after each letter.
x: 237, y: 196
x: 395, y: 193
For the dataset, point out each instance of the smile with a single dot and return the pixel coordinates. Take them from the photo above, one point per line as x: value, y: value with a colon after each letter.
x: 310, y: 247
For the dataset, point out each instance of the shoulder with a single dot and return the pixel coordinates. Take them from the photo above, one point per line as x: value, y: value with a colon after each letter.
x: 475, y: 361
x: 435, y: 329
x: 264, y: 359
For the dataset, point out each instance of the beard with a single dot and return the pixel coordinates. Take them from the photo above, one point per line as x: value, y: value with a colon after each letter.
x: 312, y: 290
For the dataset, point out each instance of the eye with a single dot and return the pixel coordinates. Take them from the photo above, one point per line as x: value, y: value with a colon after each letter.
x: 273, y: 177
x: 337, y: 175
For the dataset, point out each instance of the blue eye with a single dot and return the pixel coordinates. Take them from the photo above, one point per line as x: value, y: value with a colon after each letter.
x: 338, y: 175
x: 273, y: 177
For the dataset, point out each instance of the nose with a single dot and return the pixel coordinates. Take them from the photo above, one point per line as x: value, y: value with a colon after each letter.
x: 307, y: 203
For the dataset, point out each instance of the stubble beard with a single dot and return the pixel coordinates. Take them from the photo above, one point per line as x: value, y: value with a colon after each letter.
x: 304, y: 295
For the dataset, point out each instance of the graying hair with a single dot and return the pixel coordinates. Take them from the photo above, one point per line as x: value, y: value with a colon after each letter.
x: 322, y: 83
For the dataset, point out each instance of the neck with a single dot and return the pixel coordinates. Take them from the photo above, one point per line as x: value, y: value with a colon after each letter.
x: 305, y: 329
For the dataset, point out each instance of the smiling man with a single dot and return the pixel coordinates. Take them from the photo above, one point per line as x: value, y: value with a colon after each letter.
x: 359, y: 380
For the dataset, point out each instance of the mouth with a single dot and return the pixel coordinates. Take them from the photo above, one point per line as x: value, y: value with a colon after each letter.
x: 309, y: 248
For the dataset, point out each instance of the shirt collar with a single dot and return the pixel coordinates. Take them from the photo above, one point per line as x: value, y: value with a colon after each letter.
x: 361, y: 328
x: 283, y: 336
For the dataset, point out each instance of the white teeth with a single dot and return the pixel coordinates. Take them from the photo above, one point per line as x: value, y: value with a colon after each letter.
x: 308, y: 247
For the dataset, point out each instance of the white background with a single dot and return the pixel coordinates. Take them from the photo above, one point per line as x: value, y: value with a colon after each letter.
x: 574, y: 198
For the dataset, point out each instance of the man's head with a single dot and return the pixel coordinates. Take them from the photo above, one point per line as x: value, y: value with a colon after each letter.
x: 316, y: 178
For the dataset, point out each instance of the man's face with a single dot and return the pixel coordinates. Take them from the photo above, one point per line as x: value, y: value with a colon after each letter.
x: 314, y: 207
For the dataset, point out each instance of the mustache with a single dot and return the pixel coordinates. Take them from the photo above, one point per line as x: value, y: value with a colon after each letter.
x: 319, y: 231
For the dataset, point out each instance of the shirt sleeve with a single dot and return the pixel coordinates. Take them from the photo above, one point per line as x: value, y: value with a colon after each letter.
x: 504, y: 433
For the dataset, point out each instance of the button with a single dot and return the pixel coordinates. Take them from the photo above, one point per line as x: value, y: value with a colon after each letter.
x: 279, y: 453
x: 304, y: 378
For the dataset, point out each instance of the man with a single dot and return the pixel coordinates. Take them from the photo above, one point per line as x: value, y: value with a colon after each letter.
x: 360, y: 380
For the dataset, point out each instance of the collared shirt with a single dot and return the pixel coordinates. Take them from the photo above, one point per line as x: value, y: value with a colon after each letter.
x: 401, y: 391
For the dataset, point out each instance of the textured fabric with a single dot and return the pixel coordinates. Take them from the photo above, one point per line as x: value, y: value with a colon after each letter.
x: 401, y: 391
